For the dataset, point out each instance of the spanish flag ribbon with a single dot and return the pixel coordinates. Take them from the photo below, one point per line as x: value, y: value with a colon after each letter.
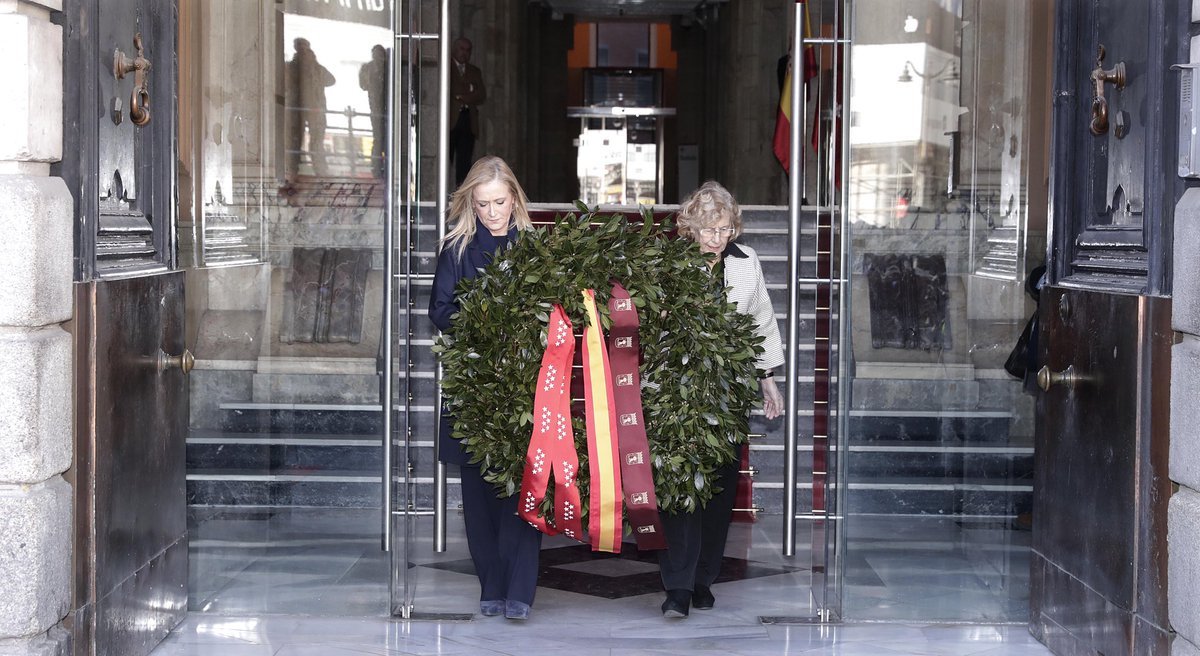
x: 604, y: 507
x: 552, y: 445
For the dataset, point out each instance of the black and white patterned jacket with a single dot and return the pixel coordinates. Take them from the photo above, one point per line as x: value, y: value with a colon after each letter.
x: 747, y: 288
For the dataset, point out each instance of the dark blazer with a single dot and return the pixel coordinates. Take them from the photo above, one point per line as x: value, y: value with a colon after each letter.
x: 443, y: 305
x: 466, y: 90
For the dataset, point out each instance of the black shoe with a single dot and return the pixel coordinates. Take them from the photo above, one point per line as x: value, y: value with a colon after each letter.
x: 702, y: 598
x: 676, y: 604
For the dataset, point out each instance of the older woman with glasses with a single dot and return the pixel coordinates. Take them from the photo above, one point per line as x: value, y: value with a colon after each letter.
x: 696, y: 541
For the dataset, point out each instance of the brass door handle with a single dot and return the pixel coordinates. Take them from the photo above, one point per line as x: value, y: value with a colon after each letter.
x: 1067, y: 377
x: 185, y: 361
x: 1114, y: 76
x: 139, y: 101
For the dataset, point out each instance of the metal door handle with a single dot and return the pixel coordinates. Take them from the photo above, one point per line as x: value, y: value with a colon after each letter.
x: 1067, y: 378
x: 1115, y: 76
x: 139, y: 101
x: 185, y: 361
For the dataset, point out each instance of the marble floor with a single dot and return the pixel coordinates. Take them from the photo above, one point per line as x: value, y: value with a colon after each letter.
x: 289, y: 582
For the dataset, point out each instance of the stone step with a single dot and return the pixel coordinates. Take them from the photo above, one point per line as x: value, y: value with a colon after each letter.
x: 967, y: 497
x: 904, y: 496
x: 905, y: 477
x: 930, y: 460
x: 338, y: 489
x: 953, y: 427
x: 323, y: 418
x: 283, y: 452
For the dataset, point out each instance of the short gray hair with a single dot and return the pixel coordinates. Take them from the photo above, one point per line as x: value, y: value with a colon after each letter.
x: 707, y: 206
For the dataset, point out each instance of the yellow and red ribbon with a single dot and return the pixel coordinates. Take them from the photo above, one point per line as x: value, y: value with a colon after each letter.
x: 604, y: 500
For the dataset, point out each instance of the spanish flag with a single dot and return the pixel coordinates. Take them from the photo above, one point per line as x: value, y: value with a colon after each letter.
x: 783, y: 120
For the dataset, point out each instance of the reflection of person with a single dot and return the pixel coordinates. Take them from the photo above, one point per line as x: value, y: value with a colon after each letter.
x: 696, y: 540
x: 305, y: 82
x: 486, y: 210
x: 373, y: 78
x: 466, y: 94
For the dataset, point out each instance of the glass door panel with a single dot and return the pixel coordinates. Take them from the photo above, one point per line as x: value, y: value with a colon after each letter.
x: 282, y: 207
x: 946, y: 219
x: 428, y: 552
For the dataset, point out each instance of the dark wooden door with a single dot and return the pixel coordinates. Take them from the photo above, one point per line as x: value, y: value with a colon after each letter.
x: 1101, y: 488
x: 131, y: 556
x: 131, y: 544
x: 1099, y: 581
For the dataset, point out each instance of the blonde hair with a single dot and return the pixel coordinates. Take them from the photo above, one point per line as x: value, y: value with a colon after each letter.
x: 461, y: 214
x: 707, y: 206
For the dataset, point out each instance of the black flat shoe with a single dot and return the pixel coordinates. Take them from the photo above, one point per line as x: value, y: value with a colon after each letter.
x: 676, y: 605
x: 702, y: 598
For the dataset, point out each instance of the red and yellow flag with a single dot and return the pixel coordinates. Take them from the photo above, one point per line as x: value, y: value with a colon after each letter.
x: 782, y: 142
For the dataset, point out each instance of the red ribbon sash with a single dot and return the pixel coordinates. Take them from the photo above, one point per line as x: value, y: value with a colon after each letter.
x: 637, y: 476
x: 552, y: 446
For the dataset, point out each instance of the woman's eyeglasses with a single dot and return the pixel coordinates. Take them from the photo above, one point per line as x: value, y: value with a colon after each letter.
x: 709, y: 233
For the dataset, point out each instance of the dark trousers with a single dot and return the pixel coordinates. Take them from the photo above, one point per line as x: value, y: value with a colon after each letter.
x: 462, y: 146
x: 503, y: 546
x: 696, y: 540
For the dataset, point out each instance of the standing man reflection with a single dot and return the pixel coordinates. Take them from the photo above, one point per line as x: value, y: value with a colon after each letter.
x: 373, y: 78
x: 466, y: 94
x: 306, y: 81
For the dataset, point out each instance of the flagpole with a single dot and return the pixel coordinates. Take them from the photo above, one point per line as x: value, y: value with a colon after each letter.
x: 795, y: 179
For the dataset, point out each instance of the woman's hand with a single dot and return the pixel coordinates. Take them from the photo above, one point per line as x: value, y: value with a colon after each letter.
x: 772, y: 399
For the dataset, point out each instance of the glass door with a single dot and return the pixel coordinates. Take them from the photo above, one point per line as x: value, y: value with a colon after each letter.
x: 281, y: 228
x: 948, y: 126
x: 781, y: 558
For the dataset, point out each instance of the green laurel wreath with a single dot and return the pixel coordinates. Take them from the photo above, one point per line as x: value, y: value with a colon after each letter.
x: 698, y: 374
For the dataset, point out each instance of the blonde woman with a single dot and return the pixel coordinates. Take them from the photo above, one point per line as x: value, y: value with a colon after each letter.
x: 696, y: 541
x: 485, y: 214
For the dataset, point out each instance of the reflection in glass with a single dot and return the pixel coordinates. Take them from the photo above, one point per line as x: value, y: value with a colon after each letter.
x: 335, y: 95
x: 305, y: 80
x: 948, y: 116
x: 282, y: 213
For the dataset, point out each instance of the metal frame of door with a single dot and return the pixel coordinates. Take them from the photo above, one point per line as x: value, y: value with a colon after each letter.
x: 401, y: 228
x: 832, y: 290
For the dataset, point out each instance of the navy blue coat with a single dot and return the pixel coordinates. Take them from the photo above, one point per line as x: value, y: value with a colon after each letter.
x: 443, y: 305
